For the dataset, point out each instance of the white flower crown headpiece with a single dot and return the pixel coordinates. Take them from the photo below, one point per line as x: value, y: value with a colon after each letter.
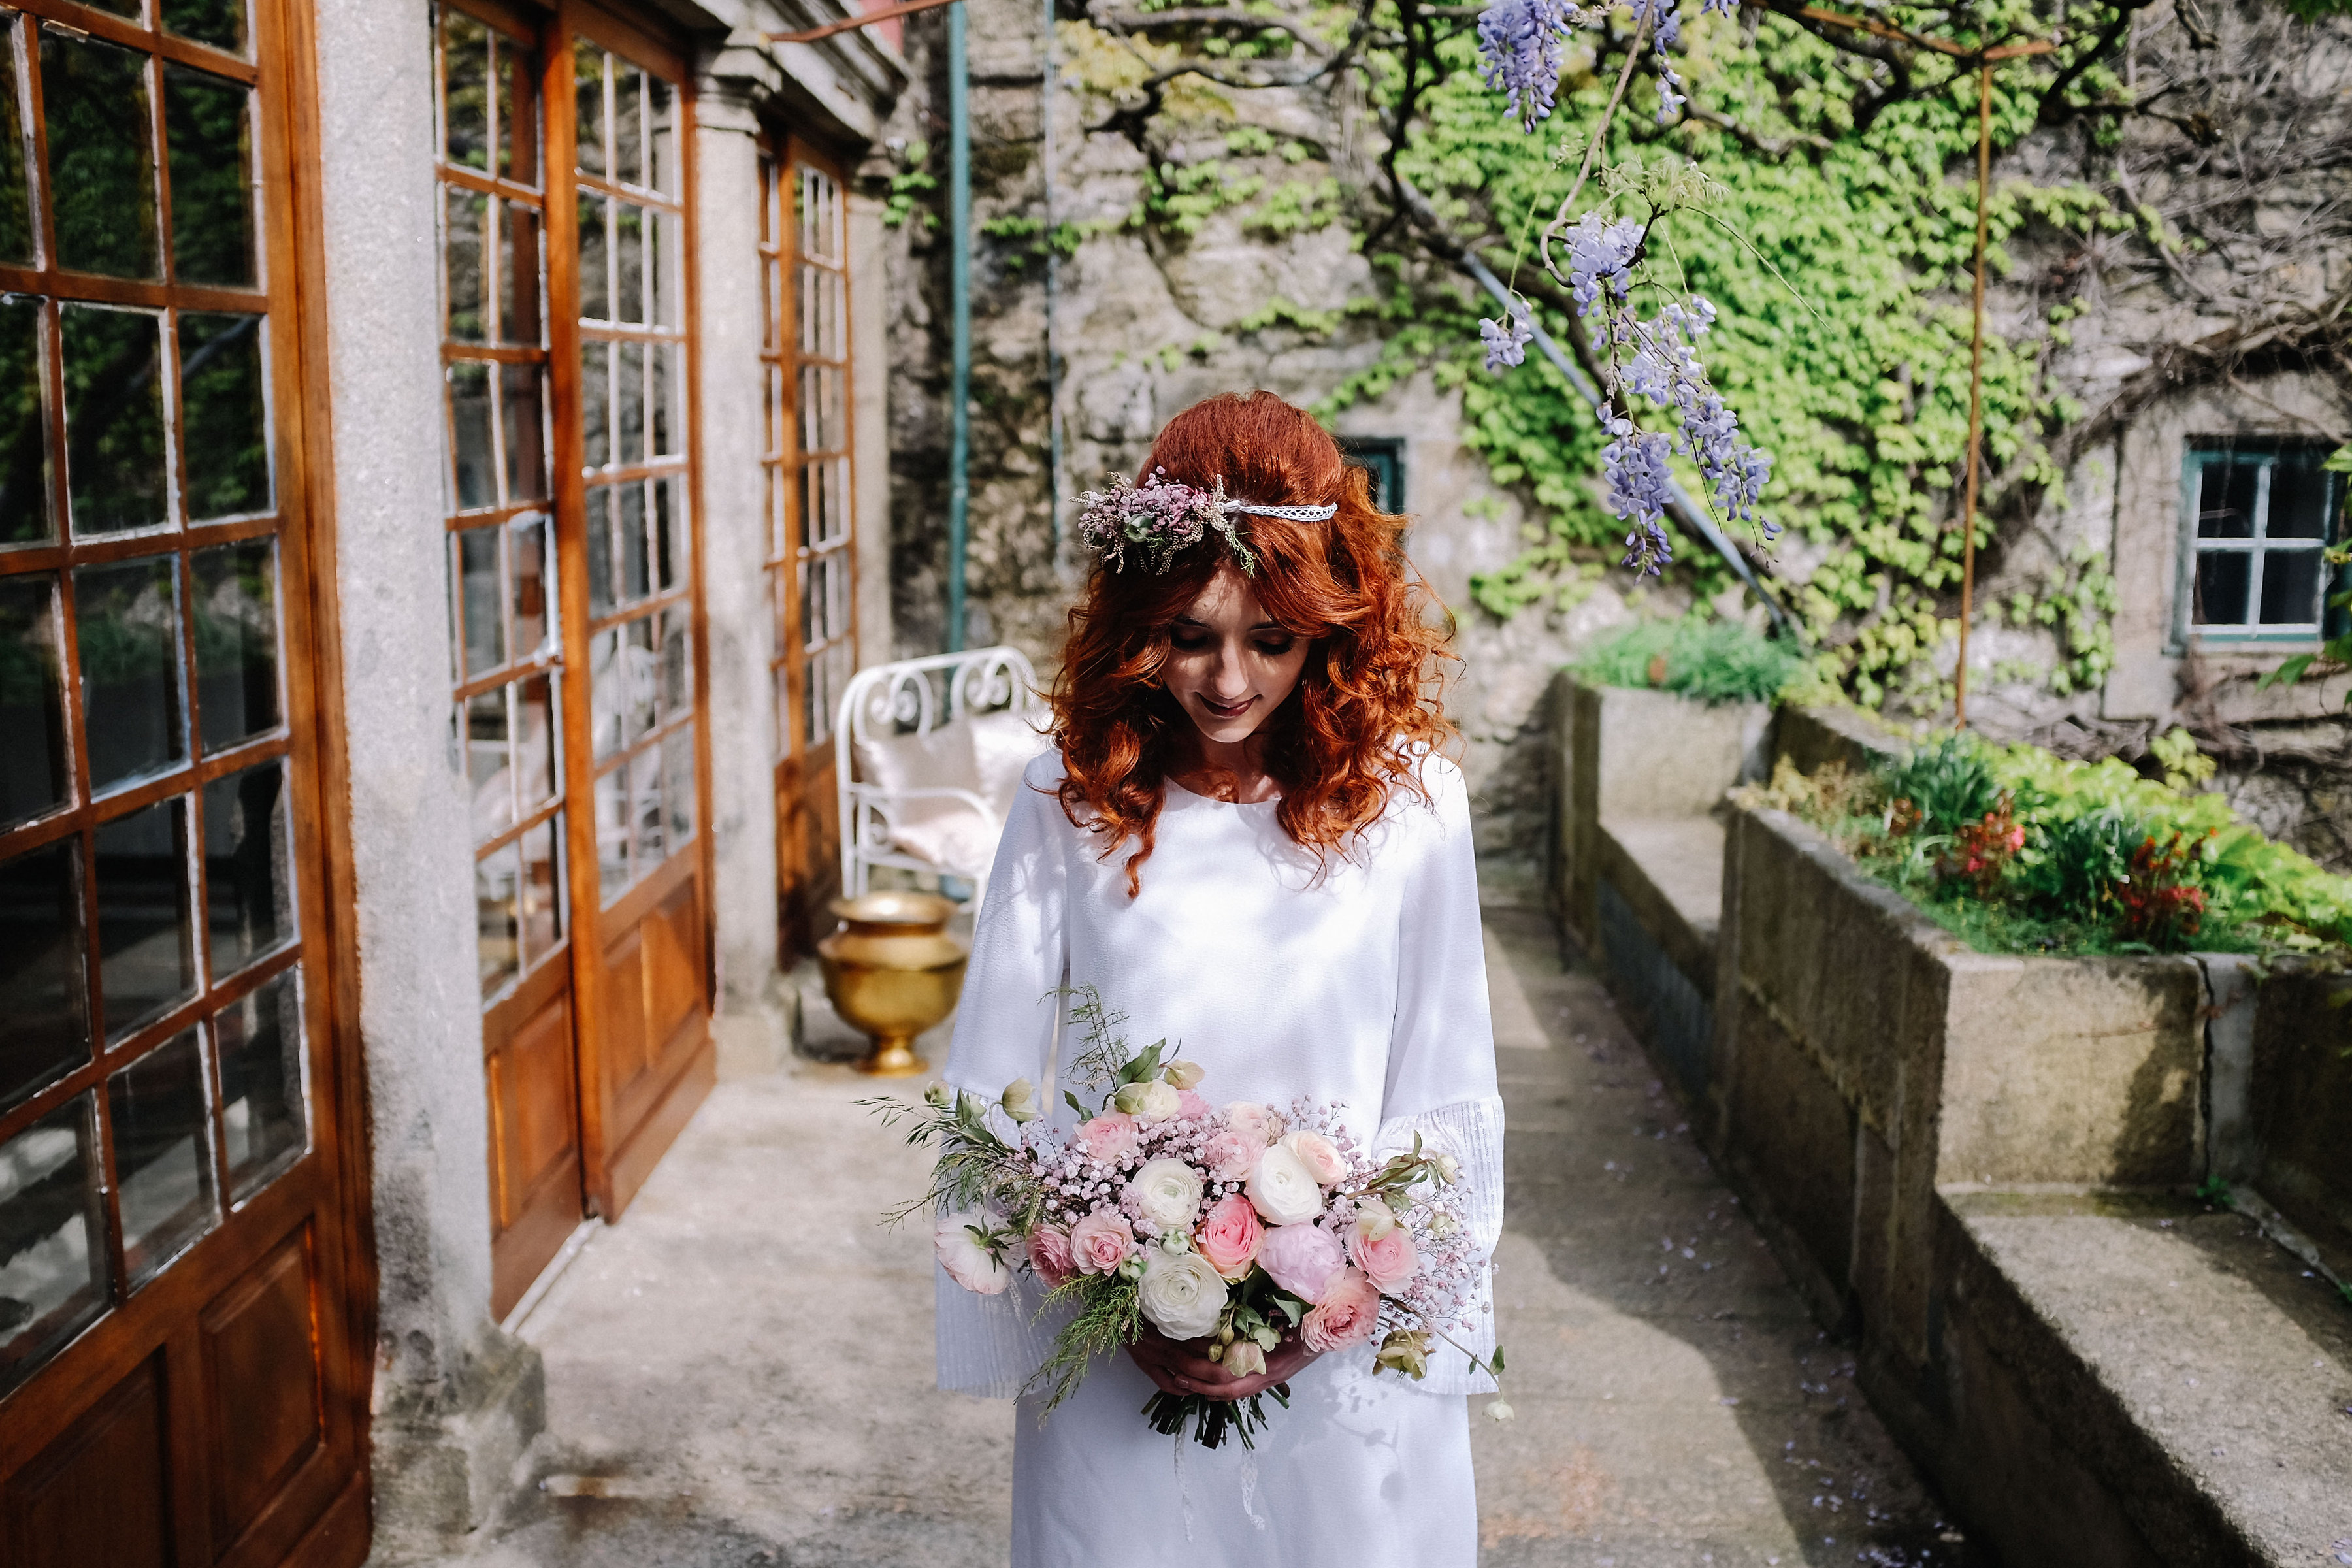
x: 1161, y: 516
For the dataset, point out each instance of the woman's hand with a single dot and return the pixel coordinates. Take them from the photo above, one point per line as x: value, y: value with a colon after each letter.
x: 1183, y: 1366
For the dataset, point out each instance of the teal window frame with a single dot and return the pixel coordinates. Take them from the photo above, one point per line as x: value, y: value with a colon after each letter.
x: 2265, y: 454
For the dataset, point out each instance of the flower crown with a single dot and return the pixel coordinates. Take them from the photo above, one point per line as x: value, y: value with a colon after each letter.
x: 1161, y: 517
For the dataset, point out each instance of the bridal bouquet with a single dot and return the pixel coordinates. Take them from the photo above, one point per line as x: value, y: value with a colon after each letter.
x: 1243, y: 1229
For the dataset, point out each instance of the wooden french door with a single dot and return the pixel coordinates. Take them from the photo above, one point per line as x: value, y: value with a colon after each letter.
x: 183, y: 1279
x: 574, y: 602
x: 810, y: 469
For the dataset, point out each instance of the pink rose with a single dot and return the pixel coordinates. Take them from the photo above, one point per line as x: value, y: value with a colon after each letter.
x: 1191, y: 1107
x: 1252, y: 1119
x: 1301, y: 1258
x: 1050, y: 1256
x: 1101, y: 1241
x: 1229, y: 1235
x: 1322, y: 1161
x: 1387, y: 1259
x: 1345, y: 1318
x: 1109, y: 1136
x: 1231, y: 1157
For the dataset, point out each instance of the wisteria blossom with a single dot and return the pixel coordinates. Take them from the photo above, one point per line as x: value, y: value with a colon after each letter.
x: 1506, y: 344
x: 1519, y: 41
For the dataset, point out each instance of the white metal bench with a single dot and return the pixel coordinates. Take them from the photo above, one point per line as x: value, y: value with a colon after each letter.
x: 935, y: 749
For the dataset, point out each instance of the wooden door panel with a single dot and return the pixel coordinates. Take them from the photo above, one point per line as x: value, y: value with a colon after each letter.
x: 625, y: 1013
x: 672, y: 959
x: 262, y: 1386
x: 98, y: 1493
x: 534, y: 1151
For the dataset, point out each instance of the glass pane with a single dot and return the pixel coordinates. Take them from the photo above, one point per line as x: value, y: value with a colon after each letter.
x: 669, y: 537
x: 534, y: 584
x: 613, y: 833
x: 114, y: 418
x: 525, y: 432
x: 599, y: 552
x: 43, y: 991
x: 146, y: 929
x: 163, y: 1154
x: 662, y: 272
x: 264, y: 1119
x: 464, y: 77
x: 52, y: 1238
x: 596, y: 404
x: 677, y: 783
x: 2291, y: 587
x: 479, y: 598
x: 517, y: 132
x: 497, y: 919
x: 676, y: 678
x: 209, y: 139
x: 2222, y: 580
x: 820, y: 421
x: 102, y: 155
x: 464, y: 215
x: 637, y: 669
x: 629, y: 262
x: 127, y: 632
x: 486, y: 764
x: 604, y: 696
x: 15, y: 156
x: 595, y: 287
x: 645, y: 795
x: 519, y: 263
x: 248, y: 866
x: 2299, y: 495
x: 628, y: 124
x: 661, y: 132
x: 629, y: 398
x: 535, y: 738
x: 588, y: 78
x: 223, y: 415
x: 236, y: 641
x: 542, y: 890
x: 469, y: 434
x: 787, y: 738
x: 34, y: 778
x: 2225, y: 499
x: 630, y: 500
x: 666, y: 382
x: 220, y: 23
x: 24, y: 435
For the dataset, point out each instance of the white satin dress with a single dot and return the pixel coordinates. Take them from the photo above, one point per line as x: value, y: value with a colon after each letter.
x: 1367, y: 987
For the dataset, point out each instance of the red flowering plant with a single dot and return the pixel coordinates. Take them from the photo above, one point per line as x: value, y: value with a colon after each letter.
x: 2160, y: 901
x: 1981, y: 851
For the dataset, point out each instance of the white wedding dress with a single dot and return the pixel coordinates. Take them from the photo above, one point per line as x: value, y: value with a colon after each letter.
x: 1365, y: 986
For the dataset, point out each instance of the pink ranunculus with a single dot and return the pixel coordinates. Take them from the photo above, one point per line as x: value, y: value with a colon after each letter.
x: 1101, y: 1242
x: 1191, y: 1107
x: 1387, y: 1259
x: 1301, y: 1258
x: 1050, y: 1256
x: 1345, y: 1318
x: 1231, y: 1157
x: 1252, y: 1119
x: 1109, y: 1136
x: 1316, y: 1154
x: 1229, y: 1235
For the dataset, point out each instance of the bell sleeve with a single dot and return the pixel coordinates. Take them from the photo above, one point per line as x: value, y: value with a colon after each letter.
x: 990, y: 1345
x: 1441, y: 1074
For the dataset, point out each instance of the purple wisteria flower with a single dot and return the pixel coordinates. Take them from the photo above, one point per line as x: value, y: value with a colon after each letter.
x: 1506, y: 341
x: 1156, y: 519
x: 1600, y: 256
x: 1634, y: 467
x: 1518, y: 40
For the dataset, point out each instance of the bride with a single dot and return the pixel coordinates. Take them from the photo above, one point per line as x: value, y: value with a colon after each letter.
x: 1247, y: 840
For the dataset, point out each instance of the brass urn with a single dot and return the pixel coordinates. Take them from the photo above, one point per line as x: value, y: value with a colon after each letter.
x: 892, y: 971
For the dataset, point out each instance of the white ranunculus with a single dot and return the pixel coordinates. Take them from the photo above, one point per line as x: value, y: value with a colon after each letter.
x: 1316, y: 1154
x: 1283, y: 1189
x: 968, y: 1263
x: 1150, y: 1100
x: 1182, y: 1294
x: 1183, y: 1074
x: 1167, y: 1193
x: 1020, y: 1100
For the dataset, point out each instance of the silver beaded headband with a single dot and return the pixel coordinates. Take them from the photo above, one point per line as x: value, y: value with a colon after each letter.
x: 1161, y: 516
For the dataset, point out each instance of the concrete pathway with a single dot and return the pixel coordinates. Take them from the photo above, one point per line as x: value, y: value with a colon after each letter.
x: 739, y: 1373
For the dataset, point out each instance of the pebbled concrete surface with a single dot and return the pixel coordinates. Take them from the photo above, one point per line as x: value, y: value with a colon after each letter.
x: 739, y: 1372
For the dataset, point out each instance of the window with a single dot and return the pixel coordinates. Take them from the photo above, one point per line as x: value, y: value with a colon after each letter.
x: 151, y: 1060
x: 1382, y: 456
x: 2259, y: 517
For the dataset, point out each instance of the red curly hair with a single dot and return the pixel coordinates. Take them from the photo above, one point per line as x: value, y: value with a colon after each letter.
x: 1368, y: 700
